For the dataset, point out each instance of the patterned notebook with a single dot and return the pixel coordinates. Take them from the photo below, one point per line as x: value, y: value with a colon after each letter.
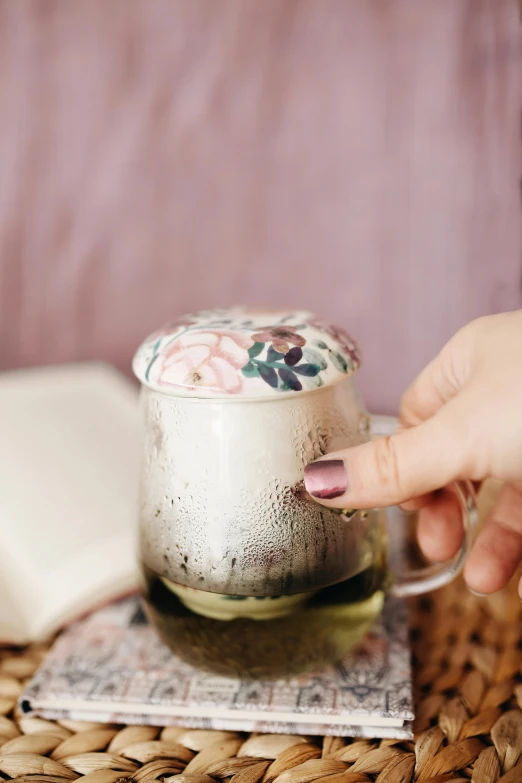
x: 113, y: 667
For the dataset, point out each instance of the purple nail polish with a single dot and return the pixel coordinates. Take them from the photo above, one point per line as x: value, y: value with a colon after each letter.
x: 326, y: 479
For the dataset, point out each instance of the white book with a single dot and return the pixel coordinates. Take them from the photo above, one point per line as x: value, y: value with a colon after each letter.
x: 69, y: 464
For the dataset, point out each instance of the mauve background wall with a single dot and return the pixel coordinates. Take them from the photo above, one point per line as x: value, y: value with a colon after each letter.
x: 358, y: 158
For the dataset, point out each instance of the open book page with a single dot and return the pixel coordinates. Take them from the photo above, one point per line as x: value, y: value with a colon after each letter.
x: 69, y: 460
x: 113, y: 667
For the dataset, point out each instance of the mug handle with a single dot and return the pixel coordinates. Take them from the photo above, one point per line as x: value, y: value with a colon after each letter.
x: 422, y: 580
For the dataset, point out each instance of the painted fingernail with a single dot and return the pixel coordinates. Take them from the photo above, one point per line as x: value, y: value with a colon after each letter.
x: 326, y: 479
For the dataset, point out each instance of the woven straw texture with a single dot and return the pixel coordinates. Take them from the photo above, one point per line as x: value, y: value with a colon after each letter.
x: 467, y: 655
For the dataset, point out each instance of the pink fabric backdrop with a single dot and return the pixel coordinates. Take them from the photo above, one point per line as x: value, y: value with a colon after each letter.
x: 358, y: 158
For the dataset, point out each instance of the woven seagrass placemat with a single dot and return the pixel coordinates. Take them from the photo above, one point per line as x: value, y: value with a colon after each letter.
x: 467, y: 657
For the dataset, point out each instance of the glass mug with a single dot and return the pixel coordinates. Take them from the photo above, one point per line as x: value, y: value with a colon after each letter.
x: 243, y: 573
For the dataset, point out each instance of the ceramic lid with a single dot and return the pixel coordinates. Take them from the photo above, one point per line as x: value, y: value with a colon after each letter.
x: 245, y: 352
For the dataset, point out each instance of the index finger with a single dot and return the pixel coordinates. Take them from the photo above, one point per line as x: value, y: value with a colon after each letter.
x: 432, y: 388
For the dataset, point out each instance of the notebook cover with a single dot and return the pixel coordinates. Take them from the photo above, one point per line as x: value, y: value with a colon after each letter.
x: 112, y: 667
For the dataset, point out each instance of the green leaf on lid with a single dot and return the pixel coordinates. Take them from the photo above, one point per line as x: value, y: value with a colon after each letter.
x: 250, y: 370
x: 338, y: 361
x: 255, y: 350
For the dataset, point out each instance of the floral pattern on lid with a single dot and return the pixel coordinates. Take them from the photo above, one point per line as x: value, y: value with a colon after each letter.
x: 245, y: 352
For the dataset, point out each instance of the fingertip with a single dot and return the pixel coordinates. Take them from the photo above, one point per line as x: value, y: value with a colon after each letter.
x: 480, y: 580
x: 497, y: 551
x: 440, y: 528
x: 493, y: 559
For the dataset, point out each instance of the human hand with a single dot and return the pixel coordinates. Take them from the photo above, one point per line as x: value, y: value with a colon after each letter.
x: 460, y: 419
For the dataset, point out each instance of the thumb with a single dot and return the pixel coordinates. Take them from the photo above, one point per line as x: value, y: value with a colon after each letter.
x: 391, y: 470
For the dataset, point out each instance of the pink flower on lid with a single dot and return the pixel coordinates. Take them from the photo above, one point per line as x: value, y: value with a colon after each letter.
x: 206, y: 359
x: 281, y: 337
x: 342, y: 338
